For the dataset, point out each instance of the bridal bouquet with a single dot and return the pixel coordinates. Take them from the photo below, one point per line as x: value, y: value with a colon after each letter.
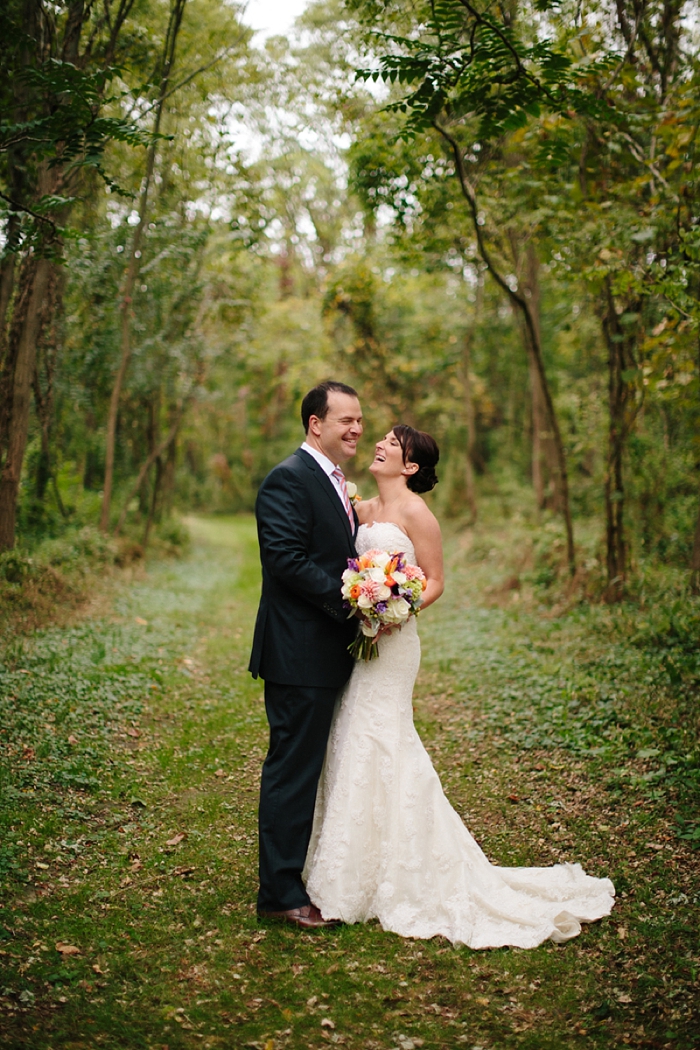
x: 386, y: 589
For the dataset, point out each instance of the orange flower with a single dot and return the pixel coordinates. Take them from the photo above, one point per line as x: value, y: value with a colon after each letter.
x: 355, y: 591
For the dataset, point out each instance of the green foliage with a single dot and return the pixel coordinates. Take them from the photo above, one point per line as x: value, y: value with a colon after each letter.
x: 469, y: 62
x: 332, y: 244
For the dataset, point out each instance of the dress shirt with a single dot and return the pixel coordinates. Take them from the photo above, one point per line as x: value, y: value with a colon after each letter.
x: 327, y: 465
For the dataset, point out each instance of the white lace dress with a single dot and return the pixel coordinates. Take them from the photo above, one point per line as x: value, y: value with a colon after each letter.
x: 386, y: 843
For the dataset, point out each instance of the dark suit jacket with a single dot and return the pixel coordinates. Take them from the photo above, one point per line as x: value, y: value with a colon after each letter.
x: 302, y: 630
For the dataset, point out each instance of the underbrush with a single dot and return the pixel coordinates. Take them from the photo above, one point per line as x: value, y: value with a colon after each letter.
x: 41, y: 583
x: 624, y: 683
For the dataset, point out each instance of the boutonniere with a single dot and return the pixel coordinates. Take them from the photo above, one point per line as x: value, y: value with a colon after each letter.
x: 353, y: 493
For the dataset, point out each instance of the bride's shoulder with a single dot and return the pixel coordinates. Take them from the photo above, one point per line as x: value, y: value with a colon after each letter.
x: 419, y: 519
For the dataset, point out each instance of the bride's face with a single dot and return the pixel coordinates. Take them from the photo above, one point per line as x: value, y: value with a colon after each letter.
x: 388, y: 459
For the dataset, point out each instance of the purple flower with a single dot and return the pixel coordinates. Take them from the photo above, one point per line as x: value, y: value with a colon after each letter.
x: 353, y: 564
x: 381, y: 607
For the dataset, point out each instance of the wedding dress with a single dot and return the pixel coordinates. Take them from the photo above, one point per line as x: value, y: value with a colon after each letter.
x: 386, y: 843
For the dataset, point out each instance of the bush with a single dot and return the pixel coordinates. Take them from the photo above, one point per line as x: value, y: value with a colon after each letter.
x: 173, y: 536
x: 15, y: 566
x: 80, y: 549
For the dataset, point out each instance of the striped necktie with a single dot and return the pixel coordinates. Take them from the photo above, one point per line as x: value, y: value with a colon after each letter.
x: 342, y: 485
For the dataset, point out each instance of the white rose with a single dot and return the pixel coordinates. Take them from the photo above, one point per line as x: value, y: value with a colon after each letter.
x: 397, y: 611
x: 381, y: 558
x: 352, y: 489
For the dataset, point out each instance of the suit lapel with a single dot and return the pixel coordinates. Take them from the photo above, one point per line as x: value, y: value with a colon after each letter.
x: 329, y: 488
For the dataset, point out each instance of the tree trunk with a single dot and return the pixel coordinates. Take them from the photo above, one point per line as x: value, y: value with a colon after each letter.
x: 47, y: 351
x: 471, y: 426
x: 538, y: 427
x: 521, y: 303
x: 153, y: 436
x: 132, y: 270
x: 695, y: 557
x: 158, y: 451
x: 695, y: 560
x: 545, y: 465
x: 155, y: 496
x: 20, y: 398
x: 621, y: 414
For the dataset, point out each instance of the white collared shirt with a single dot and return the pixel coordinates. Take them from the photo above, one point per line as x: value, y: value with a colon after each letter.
x: 326, y: 465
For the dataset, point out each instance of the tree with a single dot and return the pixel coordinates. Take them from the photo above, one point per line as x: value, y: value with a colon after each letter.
x: 54, y: 94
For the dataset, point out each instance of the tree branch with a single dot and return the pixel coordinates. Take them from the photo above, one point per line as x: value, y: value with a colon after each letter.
x: 521, y: 302
x: 29, y: 211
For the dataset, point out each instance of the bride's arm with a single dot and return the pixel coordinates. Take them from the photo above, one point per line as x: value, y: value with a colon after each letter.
x: 424, y: 532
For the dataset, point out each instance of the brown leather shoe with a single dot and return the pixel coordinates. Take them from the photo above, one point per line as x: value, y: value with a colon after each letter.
x: 308, y: 917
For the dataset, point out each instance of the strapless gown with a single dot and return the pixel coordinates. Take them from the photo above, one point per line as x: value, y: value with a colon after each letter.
x: 387, y: 845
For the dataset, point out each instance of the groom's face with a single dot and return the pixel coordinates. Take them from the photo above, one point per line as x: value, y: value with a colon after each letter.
x: 337, y: 435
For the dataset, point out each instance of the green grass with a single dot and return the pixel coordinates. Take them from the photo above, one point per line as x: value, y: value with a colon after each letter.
x: 132, y: 748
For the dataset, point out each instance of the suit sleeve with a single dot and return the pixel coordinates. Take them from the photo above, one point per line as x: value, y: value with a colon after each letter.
x: 284, y: 528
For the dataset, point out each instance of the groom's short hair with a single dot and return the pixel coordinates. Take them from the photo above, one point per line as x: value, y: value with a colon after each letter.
x: 316, y: 401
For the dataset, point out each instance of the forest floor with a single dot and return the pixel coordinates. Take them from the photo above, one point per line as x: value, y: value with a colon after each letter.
x: 133, y: 739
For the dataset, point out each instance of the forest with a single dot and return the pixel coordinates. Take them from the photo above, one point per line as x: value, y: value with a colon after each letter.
x: 484, y: 215
x: 485, y: 220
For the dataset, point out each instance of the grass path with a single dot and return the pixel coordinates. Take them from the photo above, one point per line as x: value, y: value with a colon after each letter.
x: 132, y: 747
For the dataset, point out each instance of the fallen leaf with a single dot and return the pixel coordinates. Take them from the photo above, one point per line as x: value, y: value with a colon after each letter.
x: 481, y: 1000
x: 67, y: 949
x: 622, y: 932
x: 28, y: 753
x: 220, y: 773
x: 72, y: 739
x: 98, y: 969
x: 133, y: 732
x: 327, y: 1023
x: 140, y: 620
x: 176, y: 839
x: 44, y: 867
x: 312, y: 1001
x: 514, y: 798
x: 623, y: 997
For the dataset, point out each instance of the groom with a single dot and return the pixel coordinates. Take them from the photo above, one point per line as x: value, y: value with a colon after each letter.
x: 306, y: 529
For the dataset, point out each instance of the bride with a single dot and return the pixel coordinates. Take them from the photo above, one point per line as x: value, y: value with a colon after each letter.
x: 386, y: 844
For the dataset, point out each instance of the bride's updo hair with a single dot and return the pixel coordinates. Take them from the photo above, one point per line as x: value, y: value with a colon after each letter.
x: 420, y: 448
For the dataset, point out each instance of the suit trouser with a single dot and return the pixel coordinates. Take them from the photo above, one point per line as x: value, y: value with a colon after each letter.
x: 300, y: 721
